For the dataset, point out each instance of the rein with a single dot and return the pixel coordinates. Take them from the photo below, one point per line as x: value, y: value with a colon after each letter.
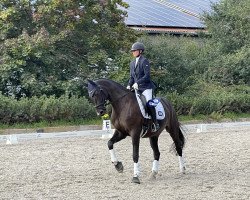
x: 115, y: 100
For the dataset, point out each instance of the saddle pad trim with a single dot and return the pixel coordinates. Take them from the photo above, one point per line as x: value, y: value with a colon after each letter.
x: 160, y: 112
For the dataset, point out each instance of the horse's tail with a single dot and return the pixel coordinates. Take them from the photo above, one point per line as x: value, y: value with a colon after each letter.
x: 174, y: 128
x: 179, y: 141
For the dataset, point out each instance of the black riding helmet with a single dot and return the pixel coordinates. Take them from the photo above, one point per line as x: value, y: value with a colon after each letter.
x: 137, y: 46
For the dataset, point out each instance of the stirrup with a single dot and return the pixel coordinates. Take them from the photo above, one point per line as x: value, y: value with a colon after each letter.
x: 155, y: 127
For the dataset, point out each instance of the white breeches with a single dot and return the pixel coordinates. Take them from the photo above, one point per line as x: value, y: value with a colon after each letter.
x: 148, y: 94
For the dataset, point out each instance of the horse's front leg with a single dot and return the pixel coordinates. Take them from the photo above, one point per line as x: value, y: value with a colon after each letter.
x: 116, y: 138
x: 137, y: 171
x: 154, y: 146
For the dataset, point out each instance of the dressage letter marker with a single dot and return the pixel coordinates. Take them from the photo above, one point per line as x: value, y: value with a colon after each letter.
x: 106, y: 126
x: 201, y: 128
x: 12, y: 139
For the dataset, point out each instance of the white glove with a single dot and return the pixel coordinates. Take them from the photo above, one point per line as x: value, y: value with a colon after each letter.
x: 135, y: 86
x: 128, y: 87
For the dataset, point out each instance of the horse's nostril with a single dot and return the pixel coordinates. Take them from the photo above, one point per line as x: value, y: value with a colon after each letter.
x: 101, y: 112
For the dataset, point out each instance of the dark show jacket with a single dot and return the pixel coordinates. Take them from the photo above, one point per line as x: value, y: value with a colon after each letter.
x: 140, y: 74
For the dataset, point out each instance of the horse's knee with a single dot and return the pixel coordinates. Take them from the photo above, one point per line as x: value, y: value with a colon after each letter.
x: 110, y: 144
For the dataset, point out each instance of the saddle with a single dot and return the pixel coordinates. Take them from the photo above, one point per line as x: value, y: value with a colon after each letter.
x: 141, y: 100
x: 146, y: 109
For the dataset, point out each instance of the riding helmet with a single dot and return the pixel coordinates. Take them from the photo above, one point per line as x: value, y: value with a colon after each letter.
x: 137, y: 46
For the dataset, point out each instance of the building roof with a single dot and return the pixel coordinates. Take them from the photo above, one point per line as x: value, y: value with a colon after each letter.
x: 171, y: 16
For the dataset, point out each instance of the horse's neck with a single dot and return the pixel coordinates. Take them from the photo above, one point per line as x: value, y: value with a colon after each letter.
x: 114, y: 92
x: 123, y: 102
x: 117, y: 95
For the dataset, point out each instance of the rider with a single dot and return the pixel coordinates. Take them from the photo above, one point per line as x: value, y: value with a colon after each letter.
x: 140, y: 78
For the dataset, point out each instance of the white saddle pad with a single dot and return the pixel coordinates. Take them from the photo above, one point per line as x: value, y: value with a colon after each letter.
x: 160, y: 112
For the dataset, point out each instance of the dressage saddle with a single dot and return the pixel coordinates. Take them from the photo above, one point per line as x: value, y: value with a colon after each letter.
x: 151, y: 111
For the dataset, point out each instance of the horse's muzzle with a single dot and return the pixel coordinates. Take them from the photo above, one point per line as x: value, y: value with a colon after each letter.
x: 101, y: 112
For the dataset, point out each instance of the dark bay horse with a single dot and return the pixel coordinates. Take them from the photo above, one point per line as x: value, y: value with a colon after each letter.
x: 127, y: 120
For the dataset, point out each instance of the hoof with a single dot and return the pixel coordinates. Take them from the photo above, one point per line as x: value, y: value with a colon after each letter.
x: 153, y: 175
x: 119, y: 167
x: 136, y: 180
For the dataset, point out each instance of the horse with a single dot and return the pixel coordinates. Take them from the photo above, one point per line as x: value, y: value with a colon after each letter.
x: 128, y: 120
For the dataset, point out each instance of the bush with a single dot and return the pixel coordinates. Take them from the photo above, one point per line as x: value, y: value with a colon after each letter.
x: 212, y: 99
x: 44, y: 109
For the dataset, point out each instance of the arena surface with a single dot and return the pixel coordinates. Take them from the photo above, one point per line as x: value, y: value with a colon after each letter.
x: 218, y: 168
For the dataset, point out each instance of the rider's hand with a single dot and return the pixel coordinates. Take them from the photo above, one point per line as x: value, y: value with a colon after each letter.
x: 128, y: 87
x: 135, y: 86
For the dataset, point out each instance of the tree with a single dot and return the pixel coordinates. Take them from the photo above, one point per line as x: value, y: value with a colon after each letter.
x: 50, y: 46
x: 229, y: 26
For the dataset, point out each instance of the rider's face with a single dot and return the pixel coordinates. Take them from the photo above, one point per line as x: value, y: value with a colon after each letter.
x: 136, y: 53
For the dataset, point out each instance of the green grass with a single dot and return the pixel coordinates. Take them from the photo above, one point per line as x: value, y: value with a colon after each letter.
x: 98, y: 121
x: 43, y: 124
x: 234, y: 116
x: 214, y: 117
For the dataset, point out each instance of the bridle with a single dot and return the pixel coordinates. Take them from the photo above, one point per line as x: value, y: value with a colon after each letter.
x: 106, y: 99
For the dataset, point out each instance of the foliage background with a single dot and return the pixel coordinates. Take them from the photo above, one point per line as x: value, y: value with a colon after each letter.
x: 49, y: 48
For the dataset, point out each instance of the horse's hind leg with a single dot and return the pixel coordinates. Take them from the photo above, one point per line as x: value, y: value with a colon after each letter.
x: 181, y: 156
x: 179, y: 142
x: 116, y: 138
x: 154, y: 146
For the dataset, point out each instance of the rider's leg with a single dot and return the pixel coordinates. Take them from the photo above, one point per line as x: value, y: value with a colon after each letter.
x: 156, y: 125
x: 148, y: 95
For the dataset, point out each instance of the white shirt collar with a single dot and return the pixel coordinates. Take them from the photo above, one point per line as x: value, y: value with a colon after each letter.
x: 137, y: 59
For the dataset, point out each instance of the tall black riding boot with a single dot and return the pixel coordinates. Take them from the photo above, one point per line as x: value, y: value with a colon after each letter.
x: 155, y: 125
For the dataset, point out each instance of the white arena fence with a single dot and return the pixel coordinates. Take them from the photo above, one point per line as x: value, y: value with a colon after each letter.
x: 107, y: 132
x: 203, y: 128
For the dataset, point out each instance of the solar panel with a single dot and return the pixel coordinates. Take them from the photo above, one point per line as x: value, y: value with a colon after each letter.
x: 196, y: 6
x: 166, y: 13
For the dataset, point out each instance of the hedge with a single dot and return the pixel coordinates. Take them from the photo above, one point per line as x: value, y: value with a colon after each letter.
x: 44, y: 109
x: 212, y: 99
x: 200, y: 99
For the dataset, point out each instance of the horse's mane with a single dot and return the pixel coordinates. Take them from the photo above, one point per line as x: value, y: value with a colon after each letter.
x: 108, y: 81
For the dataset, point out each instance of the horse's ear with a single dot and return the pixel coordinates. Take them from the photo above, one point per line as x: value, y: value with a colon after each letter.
x: 91, y: 83
x: 91, y: 86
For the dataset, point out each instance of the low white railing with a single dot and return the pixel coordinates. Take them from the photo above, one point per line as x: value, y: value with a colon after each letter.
x: 107, y: 132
